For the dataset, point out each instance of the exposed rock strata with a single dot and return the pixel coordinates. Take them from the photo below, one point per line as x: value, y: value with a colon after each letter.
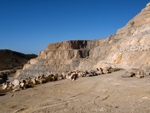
x: 128, y: 48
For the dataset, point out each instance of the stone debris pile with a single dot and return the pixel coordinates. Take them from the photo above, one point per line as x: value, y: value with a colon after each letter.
x: 138, y: 73
x: 28, y: 82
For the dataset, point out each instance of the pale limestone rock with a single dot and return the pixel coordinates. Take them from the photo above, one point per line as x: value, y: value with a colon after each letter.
x: 22, y: 85
x: 139, y: 76
x: 99, y: 72
x: 60, y: 78
x: 27, y: 66
x: 16, y: 88
x: 15, y: 82
x: 129, y: 74
x: 10, y: 86
x: 81, y: 74
x: 4, y: 86
x: 33, y: 80
x: 33, y: 61
x: 64, y: 75
x: 19, y: 72
x: 148, y: 5
x: 105, y: 71
x: 117, y: 58
x: 128, y: 48
x: 74, y: 76
x: 68, y: 77
x: 42, y: 80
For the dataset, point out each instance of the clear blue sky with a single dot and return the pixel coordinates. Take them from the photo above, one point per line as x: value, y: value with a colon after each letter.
x: 28, y: 26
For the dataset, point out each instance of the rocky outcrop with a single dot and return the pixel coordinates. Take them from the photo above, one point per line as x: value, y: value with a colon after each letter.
x: 128, y: 48
x: 62, y: 57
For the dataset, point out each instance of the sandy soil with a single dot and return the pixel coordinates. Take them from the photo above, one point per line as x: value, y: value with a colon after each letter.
x: 102, y: 94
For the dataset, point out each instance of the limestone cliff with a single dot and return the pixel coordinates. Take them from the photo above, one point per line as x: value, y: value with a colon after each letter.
x: 129, y: 47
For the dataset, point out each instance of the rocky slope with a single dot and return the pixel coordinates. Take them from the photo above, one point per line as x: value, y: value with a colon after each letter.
x: 128, y: 48
x: 11, y: 59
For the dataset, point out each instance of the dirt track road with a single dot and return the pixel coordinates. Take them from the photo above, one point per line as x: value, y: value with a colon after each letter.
x: 102, y: 94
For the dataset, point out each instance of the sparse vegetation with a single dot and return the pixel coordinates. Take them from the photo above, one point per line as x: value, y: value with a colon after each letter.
x: 37, y: 82
x: 30, y: 82
x: 31, y: 85
x: 56, y: 77
x: 49, y: 78
x: 13, y: 60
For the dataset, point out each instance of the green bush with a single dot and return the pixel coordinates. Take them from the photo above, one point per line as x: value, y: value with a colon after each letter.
x: 56, y: 77
x: 37, y: 82
x: 31, y: 85
x: 49, y: 78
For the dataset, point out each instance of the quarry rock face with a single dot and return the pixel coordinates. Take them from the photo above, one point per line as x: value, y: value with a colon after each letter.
x: 128, y: 48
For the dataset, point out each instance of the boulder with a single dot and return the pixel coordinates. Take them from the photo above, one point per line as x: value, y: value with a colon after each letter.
x: 4, y: 86
x: 42, y: 80
x: 68, y: 76
x: 74, y: 76
x: 81, y: 74
x: 64, y: 75
x: 105, y: 71
x: 15, y: 82
x: 92, y: 73
x: 99, y: 72
x: 10, y: 86
x: 135, y: 70
x: 70, y: 72
x: 33, y: 80
x: 139, y: 76
x: 23, y: 85
x: 128, y: 74
x: 59, y: 78
x: 16, y: 88
x: 147, y: 73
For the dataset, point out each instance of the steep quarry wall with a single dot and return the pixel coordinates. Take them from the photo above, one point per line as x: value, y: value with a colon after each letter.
x: 62, y: 57
x: 128, y: 48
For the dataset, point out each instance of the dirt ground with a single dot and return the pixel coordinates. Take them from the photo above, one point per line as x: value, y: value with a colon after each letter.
x: 108, y: 93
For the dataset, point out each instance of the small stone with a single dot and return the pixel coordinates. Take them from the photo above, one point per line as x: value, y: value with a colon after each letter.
x: 139, y: 76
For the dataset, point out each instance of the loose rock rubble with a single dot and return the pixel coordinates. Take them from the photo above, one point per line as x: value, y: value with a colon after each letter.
x: 28, y: 82
x: 138, y: 73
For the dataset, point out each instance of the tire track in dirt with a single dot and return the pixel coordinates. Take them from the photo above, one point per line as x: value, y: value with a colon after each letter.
x: 41, y: 107
x: 54, y: 104
x: 86, y: 92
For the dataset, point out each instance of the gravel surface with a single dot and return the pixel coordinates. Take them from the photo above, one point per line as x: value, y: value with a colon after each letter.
x: 105, y: 93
